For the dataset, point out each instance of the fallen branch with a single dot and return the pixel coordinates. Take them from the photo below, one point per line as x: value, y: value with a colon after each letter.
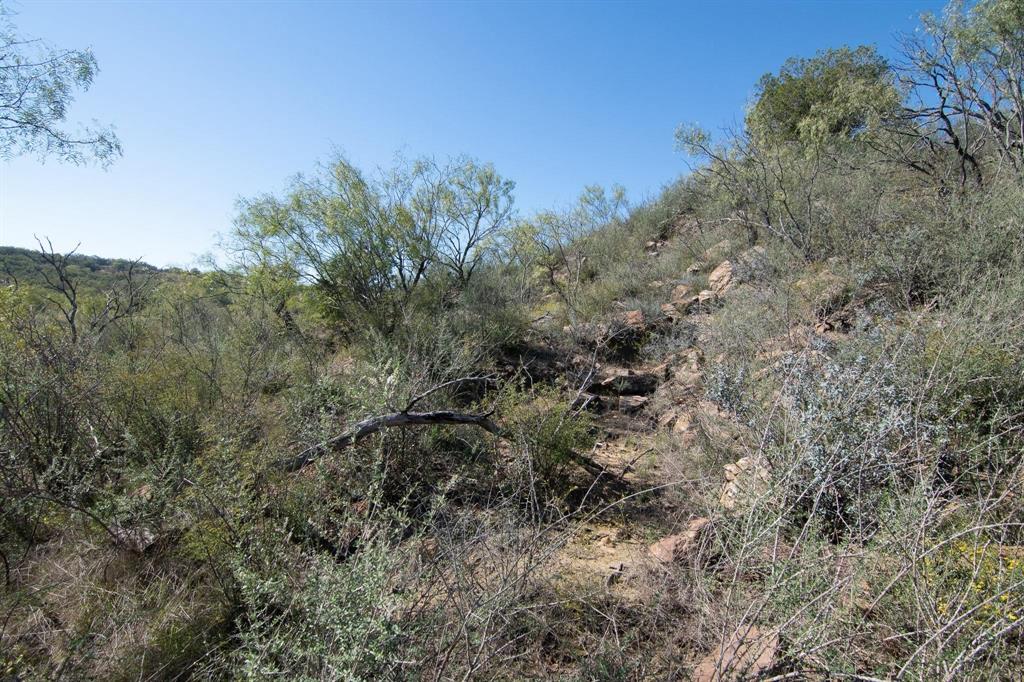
x: 372, y: 425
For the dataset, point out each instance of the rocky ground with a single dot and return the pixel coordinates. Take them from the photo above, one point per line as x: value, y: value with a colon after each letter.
x: 640, y: 404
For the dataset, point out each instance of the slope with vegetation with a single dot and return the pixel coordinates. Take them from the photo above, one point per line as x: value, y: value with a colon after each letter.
x: 766, y: 426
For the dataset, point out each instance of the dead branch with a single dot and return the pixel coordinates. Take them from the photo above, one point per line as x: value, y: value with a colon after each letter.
x: 372, y: 425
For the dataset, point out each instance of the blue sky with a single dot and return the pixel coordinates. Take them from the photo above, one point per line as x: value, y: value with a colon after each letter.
x: 216, y: 101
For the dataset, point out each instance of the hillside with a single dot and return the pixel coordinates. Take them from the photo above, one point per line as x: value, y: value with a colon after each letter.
x: 768, y: 425
x: 94, y: 273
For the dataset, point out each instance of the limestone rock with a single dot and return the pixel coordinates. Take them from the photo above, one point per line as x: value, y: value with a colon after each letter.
x: 745, y: 479
x: 632, y: 403
x: 685, y: 430
x: 721, y: 278
x: 619, y: 381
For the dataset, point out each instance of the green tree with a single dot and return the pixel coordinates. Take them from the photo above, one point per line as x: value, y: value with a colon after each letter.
x: 37, y: 86
x: 367, y: 244
x: 831, y: 95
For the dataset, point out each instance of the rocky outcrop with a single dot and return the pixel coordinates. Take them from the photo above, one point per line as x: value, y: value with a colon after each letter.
x: 682, y: 546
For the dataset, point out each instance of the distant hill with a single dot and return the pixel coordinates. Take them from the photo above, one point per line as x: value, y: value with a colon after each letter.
x: 91, y: 272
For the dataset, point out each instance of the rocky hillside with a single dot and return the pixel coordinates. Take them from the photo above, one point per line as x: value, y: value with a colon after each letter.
x: 767, y: 426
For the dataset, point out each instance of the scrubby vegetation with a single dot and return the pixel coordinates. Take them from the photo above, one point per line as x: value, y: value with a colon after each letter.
x: 767, y: 425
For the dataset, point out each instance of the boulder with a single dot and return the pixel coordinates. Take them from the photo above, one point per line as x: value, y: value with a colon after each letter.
x: 721, y: 278
x: 627, y: 332
x: 739, y: 269
x: 680, y: 546
x: 688, y: 305
x: 682, y: 302
x: 704, y: 301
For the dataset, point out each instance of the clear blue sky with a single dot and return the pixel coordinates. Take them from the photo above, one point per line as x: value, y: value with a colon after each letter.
x: 216, y: 101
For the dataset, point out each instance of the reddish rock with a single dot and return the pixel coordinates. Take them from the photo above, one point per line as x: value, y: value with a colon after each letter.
x: 635, y: 318
x: 681, y: 546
